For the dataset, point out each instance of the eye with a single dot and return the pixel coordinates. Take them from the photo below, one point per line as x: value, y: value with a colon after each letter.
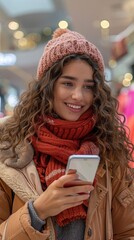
x: 89, y: 87
x: 68, y: 84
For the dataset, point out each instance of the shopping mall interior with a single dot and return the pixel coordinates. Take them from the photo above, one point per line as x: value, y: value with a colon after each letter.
x: 27, y: 25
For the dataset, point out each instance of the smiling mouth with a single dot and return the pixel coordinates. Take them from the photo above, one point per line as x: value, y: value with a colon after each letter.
x: 76, y: 107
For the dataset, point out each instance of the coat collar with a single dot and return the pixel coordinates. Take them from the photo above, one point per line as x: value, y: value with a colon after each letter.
x: 20, y: 173
x: 24, y: 182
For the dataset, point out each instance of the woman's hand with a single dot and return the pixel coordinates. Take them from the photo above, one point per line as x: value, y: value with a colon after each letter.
x: 56, y: 198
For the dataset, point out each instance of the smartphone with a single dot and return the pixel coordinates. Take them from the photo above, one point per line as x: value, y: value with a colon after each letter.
x: 86, y: 166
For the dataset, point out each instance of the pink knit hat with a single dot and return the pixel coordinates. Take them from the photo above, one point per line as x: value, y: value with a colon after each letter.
x: 66, y: 42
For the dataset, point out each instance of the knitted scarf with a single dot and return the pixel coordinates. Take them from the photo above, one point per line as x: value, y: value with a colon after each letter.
x: 54, y: 142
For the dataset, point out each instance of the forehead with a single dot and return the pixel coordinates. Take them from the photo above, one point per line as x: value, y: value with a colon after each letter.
x: 78, y: 66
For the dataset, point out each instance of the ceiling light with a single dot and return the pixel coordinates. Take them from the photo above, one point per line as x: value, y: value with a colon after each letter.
x: 18, y: 35
x: 104, y: 24
x: 63, y: 24
x: 128, y: 76
x: 126, y: 82
x: 13, y: 25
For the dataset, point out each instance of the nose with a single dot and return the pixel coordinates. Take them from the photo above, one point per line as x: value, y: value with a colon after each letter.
x: 77, y: 94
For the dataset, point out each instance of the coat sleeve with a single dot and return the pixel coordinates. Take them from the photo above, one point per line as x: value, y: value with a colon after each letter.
x: 17, y: 226
x: 123, y: 204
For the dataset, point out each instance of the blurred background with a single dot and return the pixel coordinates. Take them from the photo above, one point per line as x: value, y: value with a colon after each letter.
x: 27, y: 25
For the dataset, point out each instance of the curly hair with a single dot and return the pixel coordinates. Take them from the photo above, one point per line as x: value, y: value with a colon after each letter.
x: 109, y: 132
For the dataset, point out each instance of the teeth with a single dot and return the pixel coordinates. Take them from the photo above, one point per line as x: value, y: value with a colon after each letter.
x: 73, y: 106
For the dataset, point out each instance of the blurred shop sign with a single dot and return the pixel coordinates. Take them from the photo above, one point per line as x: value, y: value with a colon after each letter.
x: 108, y: 74
x: 7, y: 59
x: 119, y: 49
x: 122, y: 42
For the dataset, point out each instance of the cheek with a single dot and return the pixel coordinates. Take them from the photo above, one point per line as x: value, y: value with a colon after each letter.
x: 59, y: 96
x: 60, y: 93
x: 89, y: 98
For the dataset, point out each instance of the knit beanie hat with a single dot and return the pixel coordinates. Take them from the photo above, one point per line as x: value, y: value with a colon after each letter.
x: 65, y: 42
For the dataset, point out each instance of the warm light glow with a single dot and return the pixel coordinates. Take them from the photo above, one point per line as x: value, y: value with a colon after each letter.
x: 104, y: 24
x: 34, y: 37
x: 22, y: 42
x: 126, y: 82
x: 63, y: 24
x: 128, y: 76
x: 18, y: 35
x: 112, y: 63
x: 13, y: 25
x: 25, y: 43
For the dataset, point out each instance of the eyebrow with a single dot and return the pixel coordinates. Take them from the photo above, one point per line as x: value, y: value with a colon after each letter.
x: 74, y: 79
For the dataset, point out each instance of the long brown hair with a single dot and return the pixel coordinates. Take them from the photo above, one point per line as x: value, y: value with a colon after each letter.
x: 110, y: 132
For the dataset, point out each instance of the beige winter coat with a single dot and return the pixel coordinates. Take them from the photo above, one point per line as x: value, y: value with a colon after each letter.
x: 111, y: 204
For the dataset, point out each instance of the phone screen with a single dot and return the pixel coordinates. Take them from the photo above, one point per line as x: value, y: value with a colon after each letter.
x: 86, y: 166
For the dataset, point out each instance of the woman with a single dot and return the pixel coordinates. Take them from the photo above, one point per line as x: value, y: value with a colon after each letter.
x: 67, y: 110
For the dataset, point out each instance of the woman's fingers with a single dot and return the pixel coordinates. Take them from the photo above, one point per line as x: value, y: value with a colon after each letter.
x: 64, y: 179
x: 78, y: 189
x: 76, y: 198
x: 71, y: 171
x: 70, y: 185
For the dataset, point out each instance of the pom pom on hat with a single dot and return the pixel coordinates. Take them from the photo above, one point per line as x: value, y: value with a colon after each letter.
x: 58, y: 32
x: 66, y: 42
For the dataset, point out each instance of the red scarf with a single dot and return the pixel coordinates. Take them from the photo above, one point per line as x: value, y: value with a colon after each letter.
x: 54, y: 142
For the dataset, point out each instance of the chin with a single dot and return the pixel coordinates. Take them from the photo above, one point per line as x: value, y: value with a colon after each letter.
x: 73, y: 119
